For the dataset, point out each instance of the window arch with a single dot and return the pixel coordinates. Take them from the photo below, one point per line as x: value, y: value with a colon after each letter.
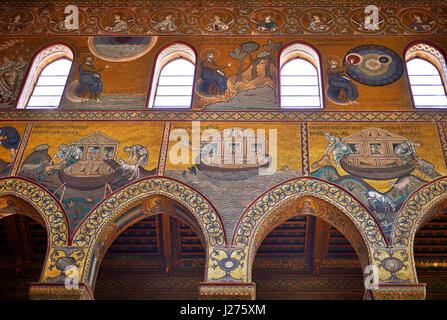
x: 173, y: 77
x: 426, y: 70
x: 46, y: 79
x: 300, y: 84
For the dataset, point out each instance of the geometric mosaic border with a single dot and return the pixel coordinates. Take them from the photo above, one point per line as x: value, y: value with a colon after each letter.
x: 270, y: 116
x: 407, y: 221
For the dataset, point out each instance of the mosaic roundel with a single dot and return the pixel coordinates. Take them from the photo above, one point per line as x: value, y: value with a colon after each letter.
x: 373, y: 65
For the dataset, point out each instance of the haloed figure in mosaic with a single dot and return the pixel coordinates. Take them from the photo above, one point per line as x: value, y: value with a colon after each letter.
x: 341, y: 85
x: 90, y: 83
x: 17, y: 23
x: 213, y: 78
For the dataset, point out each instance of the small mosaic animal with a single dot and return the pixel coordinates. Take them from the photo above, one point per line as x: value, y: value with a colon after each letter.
x: 131, y: 167
x: 403, y: 184
x: 373, y: 196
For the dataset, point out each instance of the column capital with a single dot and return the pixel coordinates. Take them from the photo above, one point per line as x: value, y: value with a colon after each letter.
x: 58, y: 291
x: 227, y: 291
x: 410, y: 291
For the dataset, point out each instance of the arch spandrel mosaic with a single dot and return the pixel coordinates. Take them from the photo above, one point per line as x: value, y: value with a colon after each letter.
x: 263, y: 156
x: 380, y: 164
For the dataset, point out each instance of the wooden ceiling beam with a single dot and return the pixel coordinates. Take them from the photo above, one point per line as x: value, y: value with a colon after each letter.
x: 14, y: 244
x: 321, y: 240
x: 166, y: 242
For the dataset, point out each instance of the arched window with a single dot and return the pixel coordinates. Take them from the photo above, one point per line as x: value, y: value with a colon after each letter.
x: 300, y: 78
x: 426, y: 69
x: 47, y: 76
x: 173, y: 78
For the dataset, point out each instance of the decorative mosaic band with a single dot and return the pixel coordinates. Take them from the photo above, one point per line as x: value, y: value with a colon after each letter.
x: 227, y: 291
x: 305, y: 149
x: 255, y: 116
x: 174, y: 17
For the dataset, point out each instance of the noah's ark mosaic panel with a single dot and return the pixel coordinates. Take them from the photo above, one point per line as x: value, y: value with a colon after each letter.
x: 82, y: 163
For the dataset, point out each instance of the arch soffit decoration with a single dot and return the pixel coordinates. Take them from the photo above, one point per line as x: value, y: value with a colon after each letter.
x: 311, y: 205
x: 169, y: 53
x: 259, y: 212
x: 49, y: 209
x: 127, y: 218
x: 416, y: 210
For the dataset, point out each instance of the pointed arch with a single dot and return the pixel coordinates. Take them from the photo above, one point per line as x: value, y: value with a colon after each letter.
x: 46, y: 205
x: 152, y: 205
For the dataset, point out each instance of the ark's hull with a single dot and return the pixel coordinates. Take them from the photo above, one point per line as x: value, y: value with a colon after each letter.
x: 231, y: 173
x: 378, y: 173
x: 87, y: 182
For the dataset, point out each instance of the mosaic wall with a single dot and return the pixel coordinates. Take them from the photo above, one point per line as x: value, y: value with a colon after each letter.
x: 115, y: 73
x: 183, y: 19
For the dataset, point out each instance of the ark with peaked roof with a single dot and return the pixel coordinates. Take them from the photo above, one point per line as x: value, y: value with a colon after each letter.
x: 96, y: 165
x: 373, y: 155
